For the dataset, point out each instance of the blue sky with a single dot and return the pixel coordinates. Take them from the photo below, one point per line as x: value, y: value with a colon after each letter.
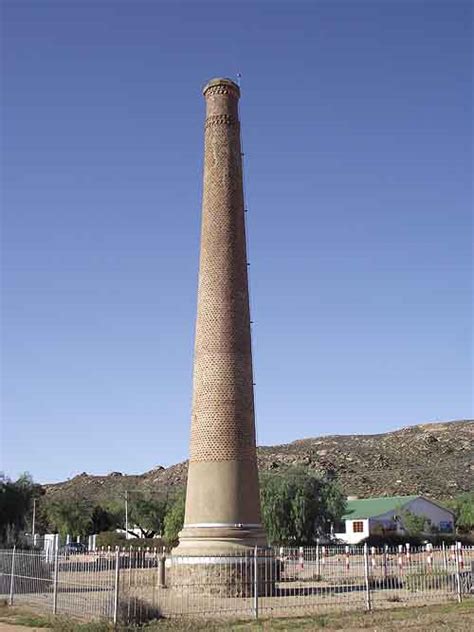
x: 356, y: 122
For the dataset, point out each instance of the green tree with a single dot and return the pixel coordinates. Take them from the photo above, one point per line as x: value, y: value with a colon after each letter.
x: 147, y: 514
x: 103, y: 519
x: 174, y: 519
x: 298, y: 505
x: 16, y: 503
x: 463, y: 506
x: 70, y: 517
x: 414, y: 524
x: 115, y: 511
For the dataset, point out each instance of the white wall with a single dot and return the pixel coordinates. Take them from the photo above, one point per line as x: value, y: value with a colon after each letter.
x: 419, y: 507
x: 349, y: 536
x: 437, y: 515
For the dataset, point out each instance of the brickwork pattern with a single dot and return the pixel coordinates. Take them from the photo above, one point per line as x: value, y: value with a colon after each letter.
x: 223, y: 426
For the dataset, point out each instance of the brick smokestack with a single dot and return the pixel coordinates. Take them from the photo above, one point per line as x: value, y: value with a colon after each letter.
x: 222, y: 500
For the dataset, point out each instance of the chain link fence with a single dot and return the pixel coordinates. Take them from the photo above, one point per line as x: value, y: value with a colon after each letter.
x: 136, y: 585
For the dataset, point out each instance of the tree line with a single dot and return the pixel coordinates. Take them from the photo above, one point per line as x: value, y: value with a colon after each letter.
x: 298, y: 505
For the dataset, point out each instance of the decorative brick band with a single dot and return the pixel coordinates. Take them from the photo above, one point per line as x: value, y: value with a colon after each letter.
x: 221, y: 89
x: 221, y: 119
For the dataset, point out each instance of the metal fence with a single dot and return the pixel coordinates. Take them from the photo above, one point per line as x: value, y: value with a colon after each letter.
x: 134, y: 585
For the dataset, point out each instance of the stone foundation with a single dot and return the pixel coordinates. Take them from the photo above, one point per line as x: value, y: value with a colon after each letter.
x: 223, y: 576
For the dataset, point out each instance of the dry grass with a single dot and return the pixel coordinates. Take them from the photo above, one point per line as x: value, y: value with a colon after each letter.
x: 29, y: 618
x: 456, y: 617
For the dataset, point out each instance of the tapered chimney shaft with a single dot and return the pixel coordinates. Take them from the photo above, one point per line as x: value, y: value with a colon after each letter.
x: 222, y: 500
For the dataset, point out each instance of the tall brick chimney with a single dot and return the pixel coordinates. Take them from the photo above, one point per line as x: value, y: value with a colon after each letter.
x: 222, y: 499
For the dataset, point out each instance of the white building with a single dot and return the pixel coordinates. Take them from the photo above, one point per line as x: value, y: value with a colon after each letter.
x: 384, y: 516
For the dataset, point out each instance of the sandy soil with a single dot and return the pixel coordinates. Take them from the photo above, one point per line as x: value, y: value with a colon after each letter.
x: 6, y: 627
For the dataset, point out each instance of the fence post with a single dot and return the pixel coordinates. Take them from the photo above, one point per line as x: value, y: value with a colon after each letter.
x: 385, y: 571
x: 116, y: 585
x: 55, y: 576
x: 445, y: 557
x: 318, y: 560
x: 429, y: 557
x: 129, y: 582
x: 12, y: 576
x: 162, y: 571
x: 400, y: 559
x: 368, y: 603
x: 458, y: 573
x: 255, y: 582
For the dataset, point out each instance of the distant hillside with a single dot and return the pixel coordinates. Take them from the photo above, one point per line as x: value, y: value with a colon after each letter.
x: 435, y: 460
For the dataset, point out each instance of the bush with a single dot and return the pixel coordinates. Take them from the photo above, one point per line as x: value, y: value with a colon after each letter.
x: 110, y: 538
x: 137, y: 611
x: 437, y: 540
x: 394, y: 539
x: 174, y: 519
x: 143, y: 543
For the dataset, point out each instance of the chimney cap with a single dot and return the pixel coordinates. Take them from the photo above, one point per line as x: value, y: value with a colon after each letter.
x: 221, y: 81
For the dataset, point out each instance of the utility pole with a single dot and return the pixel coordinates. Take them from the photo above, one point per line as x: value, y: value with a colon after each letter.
x: 127, y: 491
x: 33, y: 521
x: 126, y: 514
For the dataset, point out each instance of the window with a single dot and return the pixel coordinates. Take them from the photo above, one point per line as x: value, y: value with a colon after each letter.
x: 358, y: 526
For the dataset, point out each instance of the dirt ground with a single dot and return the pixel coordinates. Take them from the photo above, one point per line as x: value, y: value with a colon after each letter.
x: 7, y: 627
x: 447, y: 617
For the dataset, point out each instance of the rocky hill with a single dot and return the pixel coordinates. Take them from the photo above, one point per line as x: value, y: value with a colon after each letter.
x: 436, y: 460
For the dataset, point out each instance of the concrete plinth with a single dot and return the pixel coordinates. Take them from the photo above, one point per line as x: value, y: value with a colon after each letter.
x: 220, y: 540
x: 232, y: 576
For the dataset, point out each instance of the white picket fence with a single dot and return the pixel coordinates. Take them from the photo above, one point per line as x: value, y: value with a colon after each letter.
x: 134, y: 585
